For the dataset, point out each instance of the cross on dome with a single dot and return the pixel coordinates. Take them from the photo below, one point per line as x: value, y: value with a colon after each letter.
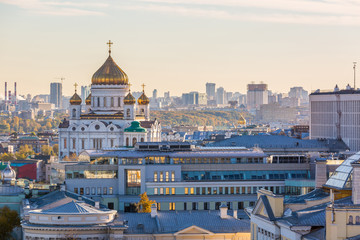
x: 109, y: 43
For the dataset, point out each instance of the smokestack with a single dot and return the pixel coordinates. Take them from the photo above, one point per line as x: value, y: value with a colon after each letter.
x: 5, y: 92
x: 9, y: 96
x: 15, y: 93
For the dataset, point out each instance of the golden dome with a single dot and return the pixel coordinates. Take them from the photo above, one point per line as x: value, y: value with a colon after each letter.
x: 75, y: 99
x: 109, y: 74
x: 129, y: 99
x: 143, y: 99
x: 88, y: 100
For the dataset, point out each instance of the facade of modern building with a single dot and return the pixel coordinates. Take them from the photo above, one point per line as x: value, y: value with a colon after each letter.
x: 179, y: 176
x: 210, y: 91
x: 221, y: 96
x: 257, y: 94
x: 56, y: 94
x: 336, y: 115
x: 112, y: 116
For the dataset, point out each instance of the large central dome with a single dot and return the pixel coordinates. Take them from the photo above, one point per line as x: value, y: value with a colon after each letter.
x: 109, y: 74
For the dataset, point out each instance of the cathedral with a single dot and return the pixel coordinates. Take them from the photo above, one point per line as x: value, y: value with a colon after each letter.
x: 111, y: 117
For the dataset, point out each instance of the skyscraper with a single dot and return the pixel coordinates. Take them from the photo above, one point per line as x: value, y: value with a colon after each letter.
x: 257, y: 95
x: 56, y: 94
x: 210, y: 90
x: 220, y: 96
x: 85, y: 91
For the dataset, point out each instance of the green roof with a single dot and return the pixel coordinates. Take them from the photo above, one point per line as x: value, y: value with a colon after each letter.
x: 135, y: 127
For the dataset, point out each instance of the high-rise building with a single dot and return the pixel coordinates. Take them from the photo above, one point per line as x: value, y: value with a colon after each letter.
x: 167, y: 95
x: 210, y: 90
x: 154, y: 96
x: 191, y: 98
x: 336, y: 115
x: 257, y: 95
x: 85, y: 92
x: 56, y: 94
x: 220, y: 96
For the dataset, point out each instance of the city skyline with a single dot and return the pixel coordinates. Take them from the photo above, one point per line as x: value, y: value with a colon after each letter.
x: 180, y: 45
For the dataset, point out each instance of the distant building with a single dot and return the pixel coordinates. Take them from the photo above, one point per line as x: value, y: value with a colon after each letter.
x: 191, y: 98
x: 274, y: 113
x: 336, y: 115
x: 257, y: 95
x: 56, y: 94
x: 210, y: 90
x: 85, y: 92
x: 220, y: 96
x: 300, y: 93
x: 167, y: 95
x: 154, y: 95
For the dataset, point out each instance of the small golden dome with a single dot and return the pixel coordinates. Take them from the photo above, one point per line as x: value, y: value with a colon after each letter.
x: 109, y: 74
x: 88, y: 100
x: 129, y: 99
x: 75, y: 99
x: 143, y: 99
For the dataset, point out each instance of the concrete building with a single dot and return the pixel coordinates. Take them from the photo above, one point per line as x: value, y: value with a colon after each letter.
x: 336, y: 115
x: 220, y: 96
x: 257, y: 94
x: 210, y: 91
x: 56, y: 94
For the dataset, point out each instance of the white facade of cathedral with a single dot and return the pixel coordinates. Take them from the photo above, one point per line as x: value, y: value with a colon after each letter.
x: 112, y: 118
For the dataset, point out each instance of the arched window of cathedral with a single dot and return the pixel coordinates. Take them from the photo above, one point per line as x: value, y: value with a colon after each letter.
x: 98, y: 102
x: 357, y: 220
x: 142, y: 111
x: 119, y: 102
x: 65, y: 143
x: 134, y: 141
x: 74, y: 113
x: 105, y: 102
x: 127, y: 141
x: 142, y: 139
x: 112, y: 102
x: 128, y: 112
x: 351, y: 220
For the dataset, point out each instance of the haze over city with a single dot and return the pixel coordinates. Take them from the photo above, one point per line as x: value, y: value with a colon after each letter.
x: 179, y: 45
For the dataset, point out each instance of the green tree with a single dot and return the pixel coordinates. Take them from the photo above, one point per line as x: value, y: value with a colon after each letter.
x: 9, y: 219
x: 55, y: 149
x: 7, y: 157
x: 144, y: 205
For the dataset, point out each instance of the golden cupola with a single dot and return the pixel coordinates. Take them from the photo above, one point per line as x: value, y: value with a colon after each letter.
x: 109, y: 73
x: 88, y: 100
x: 129, y: 99
x: 143, y: 99
x: 75, y: 99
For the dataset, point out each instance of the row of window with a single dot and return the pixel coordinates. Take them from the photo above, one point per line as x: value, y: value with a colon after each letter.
x: 195, y: 205
x: 93, y: 174
x: 94, y: 191
x: 164, y: 176
x: 351, y: 220
x: 98, y: 142
x: 217, y: 190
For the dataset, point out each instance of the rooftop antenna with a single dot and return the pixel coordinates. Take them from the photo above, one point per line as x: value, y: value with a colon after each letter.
x: 354, y: 67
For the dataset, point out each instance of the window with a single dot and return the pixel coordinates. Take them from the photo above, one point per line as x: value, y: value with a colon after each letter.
x: 161, y: 191
x: 220, y: 190
x: 166, y: 176
x: 240, y: 205
x: 185, y: 206
x: 232, y: 190
x: 105, y: 103
x: 357, y: 220
x: 214, y: 190
x: 93, y: 190
x: 155, y: 177
x: 105, y: 190
x: 81, y: 191
x: 119, y: 102
x: 351, y: 221
x: 82, y: 143
x: 155, y: 191
x: 142, y: 140
x: 112, y: 102
x: 111, y: 142
x: 134, y: 141
x: 226, y: 190
x: 186, y: 190
x: 167, y: 191
x: 194, y: 206
x: 172, y: 206
x: 110, y: 190
x: 76, y: 190
x: 87, y: 191
x: 217, y: 205
x: 173, y: 191
x: 161, y: 177
x: 192, y: 191
x: 65, y: 143
x: 173, y: 176
x: 74, y: 113
x: 127, y: 141
x: 128, y: 112
x: 206, y: 206
x: 99, y: 190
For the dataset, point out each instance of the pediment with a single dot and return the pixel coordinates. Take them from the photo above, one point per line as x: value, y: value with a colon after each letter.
x: 193, y: 230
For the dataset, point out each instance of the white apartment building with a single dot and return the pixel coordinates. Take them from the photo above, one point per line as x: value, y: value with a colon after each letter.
x: 336, y: 115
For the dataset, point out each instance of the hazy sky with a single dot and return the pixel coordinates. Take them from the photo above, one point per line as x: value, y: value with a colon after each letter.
x: 179, y: 45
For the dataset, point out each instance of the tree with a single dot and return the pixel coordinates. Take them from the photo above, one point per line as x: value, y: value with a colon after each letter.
x: 7, y: 157
x: 144, y: 205
x: 56, y: 149
x: 24, y: 152
x: 9, y: 219
x: 46, y: 150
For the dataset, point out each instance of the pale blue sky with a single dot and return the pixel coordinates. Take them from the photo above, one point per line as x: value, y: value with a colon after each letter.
x: 179, y: 45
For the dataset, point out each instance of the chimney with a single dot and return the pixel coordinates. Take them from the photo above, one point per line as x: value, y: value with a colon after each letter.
x: 5, y: 92
x: 223, y: 211
x: 97, y: 205
x: 235, y: 214
x: 9, y: 96
x: 321, y: 172
x: 15, y: 93
x: 153, y: 210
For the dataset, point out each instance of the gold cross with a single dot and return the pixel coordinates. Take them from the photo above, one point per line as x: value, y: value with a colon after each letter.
x: 75, y: 85
x: 109, y: 43
x: 143, y: 85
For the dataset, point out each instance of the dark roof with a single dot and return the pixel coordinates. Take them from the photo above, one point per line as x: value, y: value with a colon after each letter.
x: 279, y: 141
x: 268, y: 207
x: 146, y: 124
